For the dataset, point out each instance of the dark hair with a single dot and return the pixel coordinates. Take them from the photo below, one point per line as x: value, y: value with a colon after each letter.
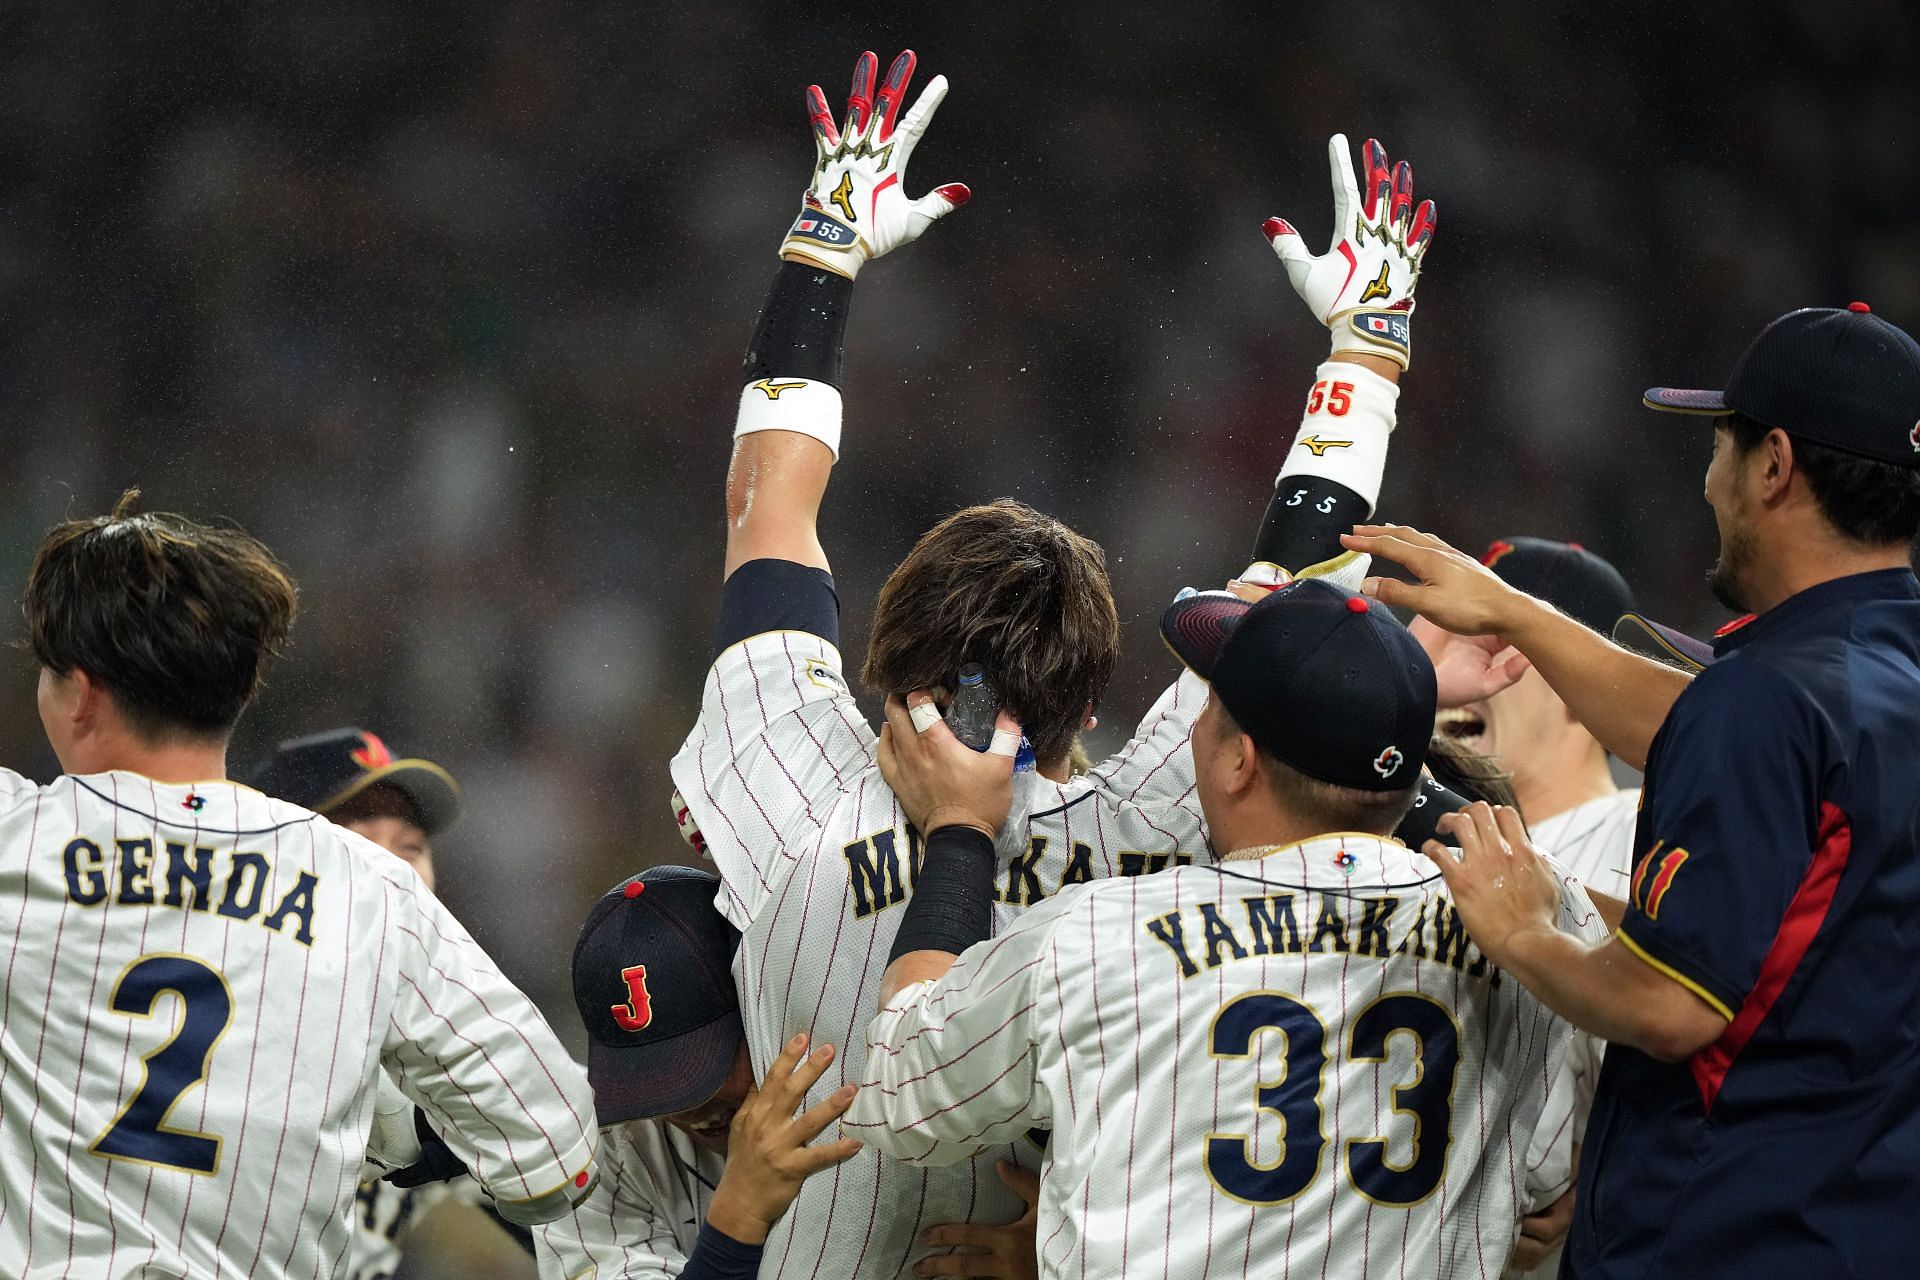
x: 1864, y: 499
x: 1331, y: 807
x: 179, y: 621
x: 1015, y: 591
x: 1468, y: 774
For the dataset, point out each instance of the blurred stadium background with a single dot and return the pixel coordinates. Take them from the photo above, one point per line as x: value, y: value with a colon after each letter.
x: 446, y: 301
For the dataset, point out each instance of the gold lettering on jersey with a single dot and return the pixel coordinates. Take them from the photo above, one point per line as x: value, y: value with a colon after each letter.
x: 1023, y: 876
x: 246, y: 885
x: 1218, y: 935
x: 86, y: 883
x: 189, y: 875
x: 1079, y: 866
x: 1168, y: 930
x: 136, y: 872
x: 1209, y: 935
x: 297, y: 904
x: 1134, y: 863
x: 1330, y: 925
x: 873, y: 873
x: 198, y: 876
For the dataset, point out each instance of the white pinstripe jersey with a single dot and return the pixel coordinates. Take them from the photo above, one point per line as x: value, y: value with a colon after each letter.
x: 200, y: 988
x: 816, y: 860
x: 642, y: 1220
x: 1594, y: 841
x: 1290, y: 1066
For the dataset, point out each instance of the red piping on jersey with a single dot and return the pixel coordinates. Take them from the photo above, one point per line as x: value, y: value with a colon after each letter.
x: 1805, y: 914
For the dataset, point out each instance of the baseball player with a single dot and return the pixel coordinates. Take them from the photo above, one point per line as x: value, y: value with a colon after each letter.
x: 203, y: 985
x: 777, y: 780
x: 695, y: 1162
x: 1563, y: 786
x: 1288, y: 1062
x: 351, y: 778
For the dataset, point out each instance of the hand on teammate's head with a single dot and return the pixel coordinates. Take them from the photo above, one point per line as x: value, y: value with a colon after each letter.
x: 938, y: 779
x: 1468, y: 669
x: 1452, y: 589
x: 767, y: 1152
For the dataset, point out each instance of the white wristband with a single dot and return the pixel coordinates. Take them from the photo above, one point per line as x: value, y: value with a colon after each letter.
x: 1343, y: 436
x: 791, y: 404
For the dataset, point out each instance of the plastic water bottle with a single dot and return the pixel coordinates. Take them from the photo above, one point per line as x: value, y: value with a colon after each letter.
x: 975, y: 703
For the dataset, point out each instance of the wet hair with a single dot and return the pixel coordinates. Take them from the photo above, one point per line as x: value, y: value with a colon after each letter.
x: 1865, y: 500
x: 179, y: 621
x: 1467, y: 773
x: 1015, y: 591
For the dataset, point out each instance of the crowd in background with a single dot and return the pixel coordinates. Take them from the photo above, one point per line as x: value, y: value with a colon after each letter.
x: 446, y: 302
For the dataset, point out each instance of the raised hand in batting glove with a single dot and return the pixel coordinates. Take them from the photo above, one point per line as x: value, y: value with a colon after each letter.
x: 1362, y: 286
x: 856, y: 207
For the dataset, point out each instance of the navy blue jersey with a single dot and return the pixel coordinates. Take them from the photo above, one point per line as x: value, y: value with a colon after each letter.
x: 1777, y: 875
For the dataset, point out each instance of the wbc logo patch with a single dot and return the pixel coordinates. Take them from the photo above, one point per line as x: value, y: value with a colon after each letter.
x: 1387, y: 763
x: 637, y: 1012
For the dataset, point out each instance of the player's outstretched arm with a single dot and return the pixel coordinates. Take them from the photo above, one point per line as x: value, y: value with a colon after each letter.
x: 1620, y: 697
x: 472, y: 1050
x: 1362, y: 289
x: 854, y: 208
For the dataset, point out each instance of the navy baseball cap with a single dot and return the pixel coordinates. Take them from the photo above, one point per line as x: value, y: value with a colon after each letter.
x: 1566, y: 575
x: 323, y: 771
x: 1323, y: 679
x: 1844, y: 378
x: 653, y: 981
x: 1671, y: 645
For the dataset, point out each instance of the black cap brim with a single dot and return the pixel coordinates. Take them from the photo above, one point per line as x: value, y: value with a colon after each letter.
x: 640, y: 1082
x: 1661, y: 642
x: 1684, y: 400
x: 432, y: 789
x: 1197, y: 628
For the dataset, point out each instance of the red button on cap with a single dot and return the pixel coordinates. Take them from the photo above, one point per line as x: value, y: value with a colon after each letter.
x: 1859, y: 306
x: 635, y: 889
x: 1356, y: 605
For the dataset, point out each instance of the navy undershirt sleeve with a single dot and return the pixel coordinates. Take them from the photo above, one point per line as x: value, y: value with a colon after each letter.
x: 777, y: 595
x: 718, y: 1256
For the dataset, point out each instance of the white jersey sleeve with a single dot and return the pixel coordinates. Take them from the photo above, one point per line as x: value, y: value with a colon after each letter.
x: 643, y: 1218
x: 778, y: 736
x: 462, y: 1042
x: 950, y: 1064
x: 1155, y: 767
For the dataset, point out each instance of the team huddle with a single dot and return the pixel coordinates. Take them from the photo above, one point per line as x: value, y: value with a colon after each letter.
x: 1353, y: 960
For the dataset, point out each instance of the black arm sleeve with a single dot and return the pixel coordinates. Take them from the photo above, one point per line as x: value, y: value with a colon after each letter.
x: 952, y: 903
x: 1419, y: 826
x: 718, y: 1256
x: 1304, y: 522
x: 776, y: 595
x: 803, y: 326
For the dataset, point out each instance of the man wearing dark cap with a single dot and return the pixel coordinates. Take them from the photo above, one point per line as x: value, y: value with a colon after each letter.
x: 1299, y: 1020
x: 697, y: 1164
x: 1759, y: 1111
x: 350, y: 777
x: 1564, y: 787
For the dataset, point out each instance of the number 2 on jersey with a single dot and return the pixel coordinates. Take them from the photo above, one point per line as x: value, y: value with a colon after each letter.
x: 140, y: 1131
x: 1296, y: 1098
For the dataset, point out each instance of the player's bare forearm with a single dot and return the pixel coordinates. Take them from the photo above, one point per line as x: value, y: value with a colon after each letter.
x: 1621, y: 697
x: 1609, y: 991
x: 775, y: 485
x: 914, y: 966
